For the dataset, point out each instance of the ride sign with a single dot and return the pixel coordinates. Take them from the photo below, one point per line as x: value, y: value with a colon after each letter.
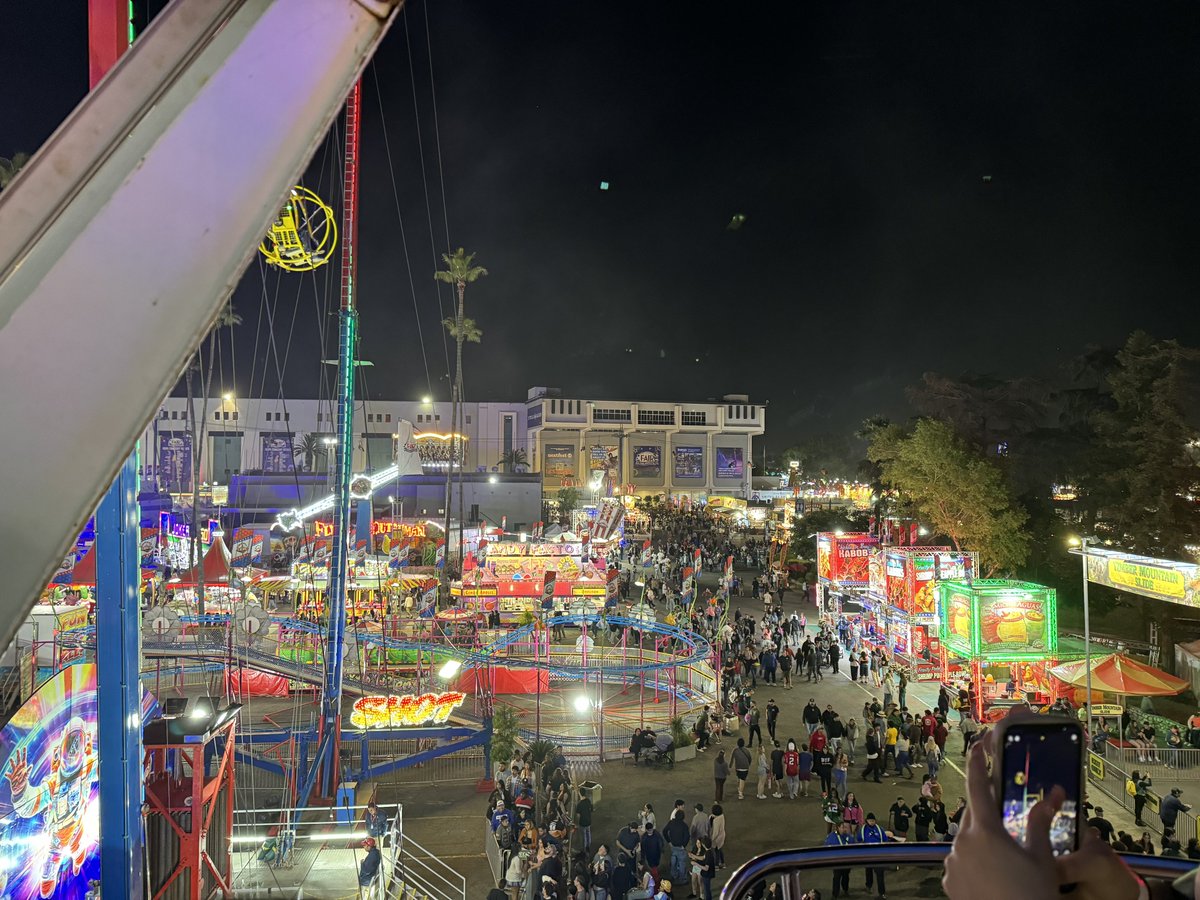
x: 404, y: 711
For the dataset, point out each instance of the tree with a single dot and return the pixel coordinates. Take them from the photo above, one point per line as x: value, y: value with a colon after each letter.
x: 1145, y: 478
x: 962, y: 495
x: 514, y: 460
x: 568, y: 502
x: 506, y: 727
x: 458, y: 272
x: 10, y: 167
x: 982, y: 409
x: 308, y: 450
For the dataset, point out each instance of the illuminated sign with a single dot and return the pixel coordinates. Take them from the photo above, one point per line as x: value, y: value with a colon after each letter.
x: 406, y: 710
x: 324, y: 528
x: 1162, y: 579
x: 845, y: 559
x: 998, y: 619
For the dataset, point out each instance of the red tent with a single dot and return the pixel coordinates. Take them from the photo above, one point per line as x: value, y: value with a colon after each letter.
x: 216, y: 567
x: 84, y: 572
x: 1122, y: 675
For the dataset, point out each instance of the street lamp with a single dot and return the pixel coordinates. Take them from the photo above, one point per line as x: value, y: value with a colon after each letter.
x: 1082, y: 544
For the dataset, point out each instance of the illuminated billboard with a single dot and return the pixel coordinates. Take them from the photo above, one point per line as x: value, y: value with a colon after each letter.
x: 1162, y: 579
x: 996, y: 619
x: 909, y: 574
x: 845, y: 560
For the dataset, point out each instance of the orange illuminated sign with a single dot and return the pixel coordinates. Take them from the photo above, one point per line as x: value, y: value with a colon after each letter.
x: 324, y: 528
x: 406, y: 710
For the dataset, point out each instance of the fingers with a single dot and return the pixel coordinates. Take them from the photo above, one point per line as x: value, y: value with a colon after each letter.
x: 1037, y: 829
x: 1083, y: 863
x: 982, y: 803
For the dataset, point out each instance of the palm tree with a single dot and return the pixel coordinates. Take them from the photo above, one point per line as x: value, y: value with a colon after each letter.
x: 512, y: 460
x: 10, y: 167
x: 458, y: 272
x: 307, y: 449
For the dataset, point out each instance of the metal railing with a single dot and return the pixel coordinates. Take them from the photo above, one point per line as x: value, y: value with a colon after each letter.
x: 419, y: 873
x: 1181, y: 764
x: 793, y: 868
x: 1116, y: 781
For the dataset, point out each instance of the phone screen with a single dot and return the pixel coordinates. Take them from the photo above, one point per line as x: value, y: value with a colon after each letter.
x: 1038, y: 757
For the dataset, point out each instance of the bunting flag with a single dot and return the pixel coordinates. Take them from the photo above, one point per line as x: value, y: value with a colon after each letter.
x: 441, y: 554
x: 360, y: 553
x: 729, y: 566
x: 698, y: 565
x: 646, y: 554
x: 913, y: 531
x: 63, y: 573
x: 397, y: 550
x: 871, y: 525
x: 548, y: 590
x: 688, y: 588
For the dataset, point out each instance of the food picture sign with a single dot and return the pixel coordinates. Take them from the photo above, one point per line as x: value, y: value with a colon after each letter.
x: 845, y: 559
x: 998, y: 619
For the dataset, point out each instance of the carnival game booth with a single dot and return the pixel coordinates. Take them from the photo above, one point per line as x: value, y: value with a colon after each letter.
x: 997, y: 639
x: 843, y: 566
x: 901, y: 599
x: 514, y: 577
x: 222, y: 590
x: 372, y: 582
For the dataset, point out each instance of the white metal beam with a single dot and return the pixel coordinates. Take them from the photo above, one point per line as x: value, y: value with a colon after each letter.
x: 123, y: 237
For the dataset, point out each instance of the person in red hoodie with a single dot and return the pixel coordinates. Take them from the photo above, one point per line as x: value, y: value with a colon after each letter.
x: 818, y: 740
x: 928, y: 725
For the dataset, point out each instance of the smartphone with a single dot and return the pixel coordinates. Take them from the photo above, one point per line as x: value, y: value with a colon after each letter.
x: 1035, y: 757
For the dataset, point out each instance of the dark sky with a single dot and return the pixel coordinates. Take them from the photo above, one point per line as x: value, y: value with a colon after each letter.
x: 855, y: 138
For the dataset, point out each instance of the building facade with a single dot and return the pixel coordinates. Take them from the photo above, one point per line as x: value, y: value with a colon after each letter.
x: 678, y: 449
x: 244, y: 436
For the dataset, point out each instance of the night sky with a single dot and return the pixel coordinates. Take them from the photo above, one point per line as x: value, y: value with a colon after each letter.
x: 950, y: 187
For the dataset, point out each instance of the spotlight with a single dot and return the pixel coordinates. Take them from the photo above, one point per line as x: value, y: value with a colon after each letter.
x: 582, y: 703
x: 450, y: 669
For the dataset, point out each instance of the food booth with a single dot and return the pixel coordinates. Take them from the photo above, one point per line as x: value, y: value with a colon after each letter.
x: 513, y: 577
x: 843, y: 564
x: 997, y: 639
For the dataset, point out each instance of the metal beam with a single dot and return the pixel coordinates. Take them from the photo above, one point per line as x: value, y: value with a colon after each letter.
x: 482, y: 737
x: 119, y: 713
x: 123, y: 236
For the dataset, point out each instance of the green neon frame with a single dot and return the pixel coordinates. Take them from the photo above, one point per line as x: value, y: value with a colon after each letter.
x: 963, y: 607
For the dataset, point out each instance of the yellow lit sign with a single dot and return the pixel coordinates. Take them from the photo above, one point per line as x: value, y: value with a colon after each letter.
x: 407, y: 710
x: 1159, y: 582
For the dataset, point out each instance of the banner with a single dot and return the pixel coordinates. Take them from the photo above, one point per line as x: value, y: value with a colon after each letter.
x: 998, y: 619
x: 560, y: 461
x: 646, y: 554
x: 1162, y: 579
x: 689, y: 462
x: 548, y: 590
x: 731, y: 462
x: 608, y: 519
x: 612, y: 586
x: 277, y: 452
x: 239, y: 551
x: 846, y: 559
x: 647, y: 462
x: 175, y: 460
x: 605, y: 462
x: 62, y: 575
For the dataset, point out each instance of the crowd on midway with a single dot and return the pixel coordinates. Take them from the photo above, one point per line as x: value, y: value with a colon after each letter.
x: 758, y: 755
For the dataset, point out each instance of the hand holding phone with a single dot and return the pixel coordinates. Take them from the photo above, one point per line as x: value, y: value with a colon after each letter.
x: 1031, y: 757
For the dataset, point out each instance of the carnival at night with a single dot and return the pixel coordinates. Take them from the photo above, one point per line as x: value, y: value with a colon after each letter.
x: 557, y: 452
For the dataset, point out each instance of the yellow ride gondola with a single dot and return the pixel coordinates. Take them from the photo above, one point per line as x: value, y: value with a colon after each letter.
x: 304, y: 235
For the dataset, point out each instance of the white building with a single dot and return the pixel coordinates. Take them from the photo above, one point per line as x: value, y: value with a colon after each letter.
x: 680, y: 449
x: 245, y: 436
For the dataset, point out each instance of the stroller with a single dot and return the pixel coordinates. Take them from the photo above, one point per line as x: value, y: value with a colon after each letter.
x: 662, y: 753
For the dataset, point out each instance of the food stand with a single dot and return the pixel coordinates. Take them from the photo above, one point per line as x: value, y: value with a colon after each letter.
x: 997, y: 639
x: 513, y: 577
x: 902, y: 599
x: 843, y: 563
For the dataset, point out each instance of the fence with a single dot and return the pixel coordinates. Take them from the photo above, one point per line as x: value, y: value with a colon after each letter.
x: 1165, y: 763
x: 1115, y: 781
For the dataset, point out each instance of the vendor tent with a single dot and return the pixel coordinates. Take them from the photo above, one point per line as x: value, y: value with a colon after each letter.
x: 216, y: 568
x: 1118, y: 674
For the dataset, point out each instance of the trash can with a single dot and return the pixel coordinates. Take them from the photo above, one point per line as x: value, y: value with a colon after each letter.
x: 592, y: 790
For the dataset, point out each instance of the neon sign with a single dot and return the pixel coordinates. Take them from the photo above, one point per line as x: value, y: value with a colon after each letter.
x: 406, y: 710
x: 324, y: 528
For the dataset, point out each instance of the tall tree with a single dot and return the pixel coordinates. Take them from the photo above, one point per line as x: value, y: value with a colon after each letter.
x: 1145, y: 480
x: 459, y: 272
x: 982, y: 409
x: 962, y: 495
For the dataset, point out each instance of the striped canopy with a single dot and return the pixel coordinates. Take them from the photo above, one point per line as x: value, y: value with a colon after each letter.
x: 1122, y: 675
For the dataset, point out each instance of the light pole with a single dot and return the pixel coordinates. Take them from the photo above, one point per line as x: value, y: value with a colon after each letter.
x: 1081, y: 542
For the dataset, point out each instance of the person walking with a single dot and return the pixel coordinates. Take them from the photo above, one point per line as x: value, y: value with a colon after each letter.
x: 903, y: 688
x: 777, y: 775
x: 841, y: 772
x: 720, y: 773
x: 899, y: 816
x: 811, y: 716
x: 791, y: 768
x: 851, y: 742
x: 872, y: 748
x: 716, y: 831
x: 1141, y: 794
x: 806, y: 768
x: 764, y: 771
x: 678, y: 836
x: 903, y: 757
x: 933, y: 758
x: 841, y: 877
x: 753, y: 717
x: 873, y: 833
x: 741, y: 766
x: 772, y: 718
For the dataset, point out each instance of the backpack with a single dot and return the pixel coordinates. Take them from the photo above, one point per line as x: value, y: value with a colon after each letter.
x: 504, y: 835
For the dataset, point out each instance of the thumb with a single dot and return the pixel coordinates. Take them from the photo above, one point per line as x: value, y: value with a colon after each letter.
x: 1037, y: 831
x: 1081, y: 865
